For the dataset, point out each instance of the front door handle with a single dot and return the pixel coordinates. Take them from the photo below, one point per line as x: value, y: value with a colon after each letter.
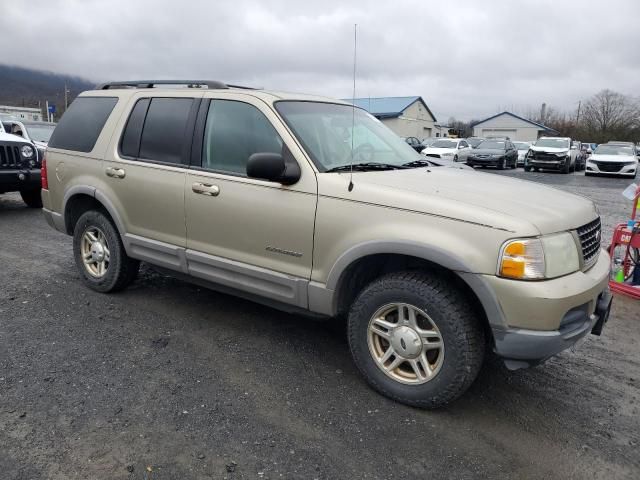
x: 206, y: 189
x: 115, y: 172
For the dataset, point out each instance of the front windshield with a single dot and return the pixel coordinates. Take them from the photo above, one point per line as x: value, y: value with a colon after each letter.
x: 521, y: 145
x: 553, y: 143
x: 327, y: 131
x: 474, y: 142
x: 40, y: 133
x: 614, y: 150
x: 444, y: 144
x: 492, y: 145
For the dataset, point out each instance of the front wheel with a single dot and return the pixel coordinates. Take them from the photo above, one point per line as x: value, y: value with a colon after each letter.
x: 455, y: 158
x: 501, y: 164
x: 416, y: 339
x: 32, y: 197
x: 100, y: 255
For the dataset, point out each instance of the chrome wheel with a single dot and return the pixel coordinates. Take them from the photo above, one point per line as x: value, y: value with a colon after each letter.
x: 405, y: 343
x: 95, y: 252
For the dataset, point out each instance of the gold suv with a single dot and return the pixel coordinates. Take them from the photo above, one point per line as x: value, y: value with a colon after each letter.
x: 311, y: 205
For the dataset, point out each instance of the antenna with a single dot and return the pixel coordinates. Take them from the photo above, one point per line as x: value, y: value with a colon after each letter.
x: 353, y: 102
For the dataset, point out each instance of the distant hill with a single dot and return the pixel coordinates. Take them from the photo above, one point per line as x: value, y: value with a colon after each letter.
x: 25, y: 87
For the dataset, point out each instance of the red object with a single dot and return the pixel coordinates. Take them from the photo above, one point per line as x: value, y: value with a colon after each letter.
x: 622, y: 236
x: 44, y: 180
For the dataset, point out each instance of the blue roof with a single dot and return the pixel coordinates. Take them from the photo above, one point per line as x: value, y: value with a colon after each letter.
x: 387, y: 107
x: 542, y: 127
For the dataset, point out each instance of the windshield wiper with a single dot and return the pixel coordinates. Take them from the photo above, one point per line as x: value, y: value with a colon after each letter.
x: 363, y: 167
x: 419, y: 163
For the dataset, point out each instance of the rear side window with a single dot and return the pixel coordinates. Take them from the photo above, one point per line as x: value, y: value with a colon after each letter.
x: 234, y: 131
x: 82, y: 123
x: 163, y: 133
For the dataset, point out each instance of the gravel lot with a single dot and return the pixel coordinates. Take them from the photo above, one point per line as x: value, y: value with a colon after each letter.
x: 170, y: 381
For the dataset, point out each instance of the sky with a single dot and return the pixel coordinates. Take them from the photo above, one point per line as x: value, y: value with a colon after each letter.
x: 468, y: 59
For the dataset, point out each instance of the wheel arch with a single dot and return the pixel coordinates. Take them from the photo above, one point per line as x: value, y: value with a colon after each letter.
x: 81, y: 198
x: 362, y: 264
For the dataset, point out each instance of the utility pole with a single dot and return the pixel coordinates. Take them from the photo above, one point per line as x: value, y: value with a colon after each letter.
x: 66, y: 96
x: 578, y: 115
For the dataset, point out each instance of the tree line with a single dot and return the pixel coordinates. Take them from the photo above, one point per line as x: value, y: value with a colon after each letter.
x: 605, y: 116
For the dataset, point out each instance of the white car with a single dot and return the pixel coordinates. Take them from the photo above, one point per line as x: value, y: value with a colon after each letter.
x: 523, y: 149
x: 613, y: 159
x: 456, y: 149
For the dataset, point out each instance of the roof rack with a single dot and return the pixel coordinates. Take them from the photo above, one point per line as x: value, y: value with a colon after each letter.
x: 209, y: 84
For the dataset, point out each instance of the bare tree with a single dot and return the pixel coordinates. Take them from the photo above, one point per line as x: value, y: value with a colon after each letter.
x: 611, y: 115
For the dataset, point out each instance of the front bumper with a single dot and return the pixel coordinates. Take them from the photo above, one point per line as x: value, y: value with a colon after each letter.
x: 628, y: 170
x: 546, y: 164
x: 13, y: 180
x: 489, y: 162
x: 545, y: 317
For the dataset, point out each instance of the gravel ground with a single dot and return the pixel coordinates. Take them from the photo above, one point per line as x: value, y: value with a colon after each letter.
x: 170, y: 381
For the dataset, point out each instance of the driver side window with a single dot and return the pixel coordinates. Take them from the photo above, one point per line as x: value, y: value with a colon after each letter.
x: 234, y: 131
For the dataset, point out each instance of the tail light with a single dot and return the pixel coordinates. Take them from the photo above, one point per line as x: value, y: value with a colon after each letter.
x: 43, y: 173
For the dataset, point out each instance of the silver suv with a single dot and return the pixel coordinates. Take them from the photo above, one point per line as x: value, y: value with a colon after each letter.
x: 312, y: 205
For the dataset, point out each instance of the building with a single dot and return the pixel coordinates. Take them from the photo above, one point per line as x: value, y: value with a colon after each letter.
x: 22, y: 113
x: 406, y: 116
x: 507, y: 124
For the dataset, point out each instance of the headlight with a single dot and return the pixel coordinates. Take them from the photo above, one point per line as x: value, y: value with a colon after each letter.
x: 27, y: 151
x: 447, y: 154
x: 549, y: 256
x: 496, y: 156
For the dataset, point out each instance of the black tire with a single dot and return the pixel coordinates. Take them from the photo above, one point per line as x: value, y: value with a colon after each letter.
x: 455, y: 158
x: 500, y: 165
x: 566, y: 168
x: 527, y: 168
x: 536, y: 169
x: 453, y: 315
x: 32, y: 197
x: 121, y: 271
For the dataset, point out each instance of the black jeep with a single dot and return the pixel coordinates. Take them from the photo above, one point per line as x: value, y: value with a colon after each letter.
x: 20, y: 168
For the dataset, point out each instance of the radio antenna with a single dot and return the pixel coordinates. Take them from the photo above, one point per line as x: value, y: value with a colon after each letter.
x: 353, y: 101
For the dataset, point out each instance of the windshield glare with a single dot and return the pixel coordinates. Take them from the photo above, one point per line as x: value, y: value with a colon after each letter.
x: 328, y: 130
x: 553, y: 143
x: 492, y: 144
x: 614, y: 150
x: 444, y: 144
x: 40, y: 133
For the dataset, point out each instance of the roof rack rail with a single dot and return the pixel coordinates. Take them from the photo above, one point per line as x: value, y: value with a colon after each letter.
x: 210, y: 84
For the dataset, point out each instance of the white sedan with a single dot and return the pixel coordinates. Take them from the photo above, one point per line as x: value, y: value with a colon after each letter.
x: 613, y: 159
x: 456, y: 149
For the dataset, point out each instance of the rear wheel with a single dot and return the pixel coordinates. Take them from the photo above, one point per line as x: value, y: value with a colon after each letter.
x: 416, y: 339
x: 32, y: 197
x: 100, y: 255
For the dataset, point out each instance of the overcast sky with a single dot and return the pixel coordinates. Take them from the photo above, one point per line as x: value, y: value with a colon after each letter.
x: 465, y: 58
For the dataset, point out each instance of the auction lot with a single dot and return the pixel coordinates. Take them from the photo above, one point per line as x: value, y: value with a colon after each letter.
x: 167, y: 380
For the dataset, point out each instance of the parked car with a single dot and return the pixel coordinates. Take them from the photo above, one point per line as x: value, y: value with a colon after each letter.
x: 37, y: 133
x: 523, y: 149
x: 266, y: 196
x: 613, y: 159
x: 552, y: 153
x: 474, y: 141
x: 19, y: 168
x: 427, y: 142
x: 494, y: 153
x: 414, y: 143
x: 456, y: 149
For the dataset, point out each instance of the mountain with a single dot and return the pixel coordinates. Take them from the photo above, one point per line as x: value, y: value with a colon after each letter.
x: 26, y: 87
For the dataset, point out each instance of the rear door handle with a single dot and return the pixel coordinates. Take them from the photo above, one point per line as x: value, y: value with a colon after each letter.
x: 115, y: 172
x: 206, y: 189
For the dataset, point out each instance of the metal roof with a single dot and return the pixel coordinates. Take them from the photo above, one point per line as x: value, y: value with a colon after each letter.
x: 541, y: 126
x: 387, y: 107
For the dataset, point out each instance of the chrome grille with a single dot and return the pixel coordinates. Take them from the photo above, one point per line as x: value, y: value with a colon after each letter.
x: 589, y: 235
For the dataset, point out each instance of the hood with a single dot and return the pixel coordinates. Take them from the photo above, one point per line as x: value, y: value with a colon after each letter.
x: 550, y: 149
x: 8, y: 137
x: 488, y: 151
x: 452, y: 151
x: 518, y: 206
x: 612, y: 158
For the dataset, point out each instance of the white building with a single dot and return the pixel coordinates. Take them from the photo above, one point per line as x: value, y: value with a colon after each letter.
x: 406, y: 116
x: 22, y: 113
x: 507, y: 124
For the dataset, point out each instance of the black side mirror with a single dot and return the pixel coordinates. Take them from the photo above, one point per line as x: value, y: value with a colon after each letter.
x: 274, y: 168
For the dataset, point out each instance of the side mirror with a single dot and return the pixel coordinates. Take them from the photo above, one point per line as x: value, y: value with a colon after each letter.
x: 273, y: 167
